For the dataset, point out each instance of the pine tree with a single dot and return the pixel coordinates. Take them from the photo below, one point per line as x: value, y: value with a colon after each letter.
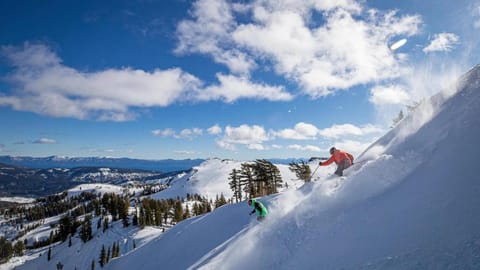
x: 261, y: 178
x: 195, y: 209
x: 70, y: 241
x: 276, y: 178
x: 123, y: 210
x: 186, y: 214
x: 135, y: 218
x: 103, y: 257
x: 115, y: 250
x: 267, y: 178
x: 92, y: 265
x: 6, y: 249
x: 141, y: 219
x: 50, y: 239
x: 178, y: 211
x: 247, y: 179
x: 49, y: 254
x: 18, y: 248
x: 86, y: 231
x: 108, y: 255
x: 235, y: 184
x: 219, y: 201
x: 66, y: 225
x: 105, y: 224
x: 302, y: 170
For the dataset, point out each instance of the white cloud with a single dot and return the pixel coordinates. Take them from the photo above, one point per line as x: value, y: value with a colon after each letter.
x: 393, y: 94
x: 164, y: 133
x: 189, y: 133
x: 209, y: 32
x: 186, y: 133
x: 232, y: 88
x: 45, y: 141
x: 214, y: 130
x: 256, y: 146
x: 311, y: 148
x: 44, y: 85
x: 344, y: 130
x: 442, y: 42
x: 348, y: 49
x: 226, y: 145
x: 276, y: 146
x: 251, y: 136
x: 301, y: 131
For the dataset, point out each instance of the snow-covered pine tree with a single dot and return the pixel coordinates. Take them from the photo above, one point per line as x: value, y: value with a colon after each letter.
x: 301, y: 170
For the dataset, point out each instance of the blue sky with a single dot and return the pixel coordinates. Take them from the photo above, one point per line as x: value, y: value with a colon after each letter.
x: 216, y: 78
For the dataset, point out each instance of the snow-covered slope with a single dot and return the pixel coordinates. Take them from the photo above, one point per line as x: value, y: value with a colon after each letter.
x: 411, y: 202
x: 211, y: 179
x: 80, y: 255
x: 98, y: 189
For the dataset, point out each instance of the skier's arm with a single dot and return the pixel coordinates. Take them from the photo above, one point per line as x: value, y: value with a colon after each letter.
x: 253, y: 211
x: 328, y: 162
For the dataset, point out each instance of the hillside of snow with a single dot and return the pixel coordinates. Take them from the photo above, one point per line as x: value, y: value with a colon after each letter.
x: 98, y: 189
x: 410, y: 202
x: 80, y: 255
x: 210, y: 179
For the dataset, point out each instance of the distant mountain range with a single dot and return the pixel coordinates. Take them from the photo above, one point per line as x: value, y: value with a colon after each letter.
x: 166, y: 165
x: 34, y: 177
x: 32, y: 182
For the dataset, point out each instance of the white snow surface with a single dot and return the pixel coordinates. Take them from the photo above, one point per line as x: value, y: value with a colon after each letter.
x: 211, y: 179
x: 411, y: 202
x: 80, y: 255
x: 96, y: 188
x: 21, y: 200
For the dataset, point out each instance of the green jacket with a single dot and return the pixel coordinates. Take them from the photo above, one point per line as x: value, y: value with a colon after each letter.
x: 259, y: 208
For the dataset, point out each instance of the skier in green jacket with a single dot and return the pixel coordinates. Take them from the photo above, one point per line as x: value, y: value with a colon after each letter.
x: 259, y: 208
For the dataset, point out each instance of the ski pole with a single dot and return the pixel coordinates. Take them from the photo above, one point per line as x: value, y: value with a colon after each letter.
x: 314, y: 172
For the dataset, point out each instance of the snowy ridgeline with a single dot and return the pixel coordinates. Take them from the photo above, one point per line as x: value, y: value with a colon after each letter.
x: 410, y: 202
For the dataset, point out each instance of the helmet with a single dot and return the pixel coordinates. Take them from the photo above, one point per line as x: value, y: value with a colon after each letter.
x: 249, y: 202
x: 332, y: 150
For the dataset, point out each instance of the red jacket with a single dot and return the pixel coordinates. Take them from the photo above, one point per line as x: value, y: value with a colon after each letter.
x: 338, y: 156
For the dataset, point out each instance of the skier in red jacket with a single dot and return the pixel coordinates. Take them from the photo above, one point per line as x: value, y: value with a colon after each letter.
x: 341, y: 158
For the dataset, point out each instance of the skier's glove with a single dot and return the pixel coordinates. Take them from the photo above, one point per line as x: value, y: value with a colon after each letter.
x: 320, y: 163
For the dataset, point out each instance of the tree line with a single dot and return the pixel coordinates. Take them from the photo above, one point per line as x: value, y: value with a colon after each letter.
x: 254, y: 179
x: 260, y: 178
